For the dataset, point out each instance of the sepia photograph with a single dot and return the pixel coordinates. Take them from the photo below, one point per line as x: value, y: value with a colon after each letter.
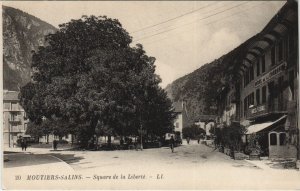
x: 150, y: 95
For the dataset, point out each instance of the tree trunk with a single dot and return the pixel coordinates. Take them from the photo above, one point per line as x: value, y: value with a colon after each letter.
x: 47, y: 139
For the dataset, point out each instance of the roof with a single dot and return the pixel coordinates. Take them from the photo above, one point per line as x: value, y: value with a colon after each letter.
x: 10, y: 96
x: 177, y: 107
x: 261, y: 126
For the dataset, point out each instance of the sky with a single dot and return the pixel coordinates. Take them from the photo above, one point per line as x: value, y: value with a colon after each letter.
x: 181, y: 35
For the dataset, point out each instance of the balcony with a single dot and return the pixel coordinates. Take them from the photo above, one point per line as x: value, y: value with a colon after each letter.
x: 17, y: 130
x: 15, y: 121
x: 266, y: 110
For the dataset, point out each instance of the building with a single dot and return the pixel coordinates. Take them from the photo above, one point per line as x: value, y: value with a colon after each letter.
x: 227, y: 106
x: 206, y: 122
x: 268, y: 83
x: 262, y: 90
x: 181, y: 120
x: 14, y: 119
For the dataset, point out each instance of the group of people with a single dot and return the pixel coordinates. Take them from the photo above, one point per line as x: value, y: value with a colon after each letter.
x: 172, y: 142
x: 23, y: 144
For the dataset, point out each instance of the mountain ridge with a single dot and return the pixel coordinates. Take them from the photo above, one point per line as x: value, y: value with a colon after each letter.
x: 22, y: 34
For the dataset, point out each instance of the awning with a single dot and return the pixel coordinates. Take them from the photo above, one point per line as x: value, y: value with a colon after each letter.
x: 261, y: 126
x: 26, y: 136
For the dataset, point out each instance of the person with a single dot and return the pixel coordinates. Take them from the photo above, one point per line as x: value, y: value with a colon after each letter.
x: 55, y: 145
x: 172, y: 143
x: 232, y: 151
x: 188, y: 140
x: 25, y: 144
x: 22, y: 144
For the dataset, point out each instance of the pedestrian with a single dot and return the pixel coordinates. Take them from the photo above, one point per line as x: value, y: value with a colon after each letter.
x: 231, y: 151
x: 55, y: 145
x: 172, y: 143
x: 22, y: 144
x: 25, y: 145
x: 188, y: 140
x: 198, y: 140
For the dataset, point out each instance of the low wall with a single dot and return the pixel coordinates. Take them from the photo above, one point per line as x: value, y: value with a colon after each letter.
x: 282, y: 151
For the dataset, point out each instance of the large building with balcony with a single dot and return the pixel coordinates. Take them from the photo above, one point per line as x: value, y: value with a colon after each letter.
x: 14, y: 119
x: 262, y: 93
x: 268, y: 83
x: 227, y: 110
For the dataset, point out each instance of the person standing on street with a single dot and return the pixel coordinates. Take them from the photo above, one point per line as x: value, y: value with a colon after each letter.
x: 22, y: 144
x: 55, y: 145
x: 188, y: 140
x: 172, y: 143
x: 25, y: 145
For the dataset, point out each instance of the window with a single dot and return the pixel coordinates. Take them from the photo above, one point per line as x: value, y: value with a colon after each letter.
x: 280, y: 51
x: 263, y: 64
x: 7, y: 106
x: 257, y: 96
x: 257, y: 69
x: 273, y: 139
x: 245, y: 81
x: 14, y: 106
x: 264, y: 94
x: 291, y: 43
x: 282, y: 137
x: 245, y: 106
x: 251, y: 99
x: 247, y: 77
x: 14, y: 117
x: 291, y: 83
x: 25, y: 126
x: 280, y: 82
x: 286, y: 47
x: 251, y: 73
x: 273, y: 54
x: 177, y: 125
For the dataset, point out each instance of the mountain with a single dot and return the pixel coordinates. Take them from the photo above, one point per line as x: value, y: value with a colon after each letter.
x: 22, y: 34
x: 200, y: 88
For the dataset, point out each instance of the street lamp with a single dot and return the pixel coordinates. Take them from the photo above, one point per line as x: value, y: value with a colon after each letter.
x: 141, y: 136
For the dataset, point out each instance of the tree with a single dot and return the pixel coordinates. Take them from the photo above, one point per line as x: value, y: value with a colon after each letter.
x: 89, y: 73
x: 193, y: 131
x: 230, y: 136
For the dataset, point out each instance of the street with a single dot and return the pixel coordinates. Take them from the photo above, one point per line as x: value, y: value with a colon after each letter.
x: 189, y: 167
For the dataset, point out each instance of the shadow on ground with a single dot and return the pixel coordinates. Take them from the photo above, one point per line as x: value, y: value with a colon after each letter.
x: 68, y: 158
x: 19, y: 160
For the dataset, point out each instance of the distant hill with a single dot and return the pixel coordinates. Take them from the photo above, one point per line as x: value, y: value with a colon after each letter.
x: 22, y: 33
x: 199, y: 88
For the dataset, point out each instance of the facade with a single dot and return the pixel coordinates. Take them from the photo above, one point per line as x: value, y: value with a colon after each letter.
x: 206, y: 122
x: 181, y: 120
x: 263, y: 90
x: 14, y: 119
x: 227, y: 107
x: 268, y: 77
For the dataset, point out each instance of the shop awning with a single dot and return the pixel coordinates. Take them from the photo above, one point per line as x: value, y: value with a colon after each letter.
x: 261, y: 126
x: 26, y: 136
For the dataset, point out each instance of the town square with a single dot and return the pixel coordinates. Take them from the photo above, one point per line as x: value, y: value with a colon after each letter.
x: 150, y: 95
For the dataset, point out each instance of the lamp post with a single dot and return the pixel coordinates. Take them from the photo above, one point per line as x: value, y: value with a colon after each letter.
x: 141, y: 136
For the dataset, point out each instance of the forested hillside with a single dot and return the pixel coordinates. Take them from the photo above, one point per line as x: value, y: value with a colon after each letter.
x: 199, y: 88
x: 22, y: 34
